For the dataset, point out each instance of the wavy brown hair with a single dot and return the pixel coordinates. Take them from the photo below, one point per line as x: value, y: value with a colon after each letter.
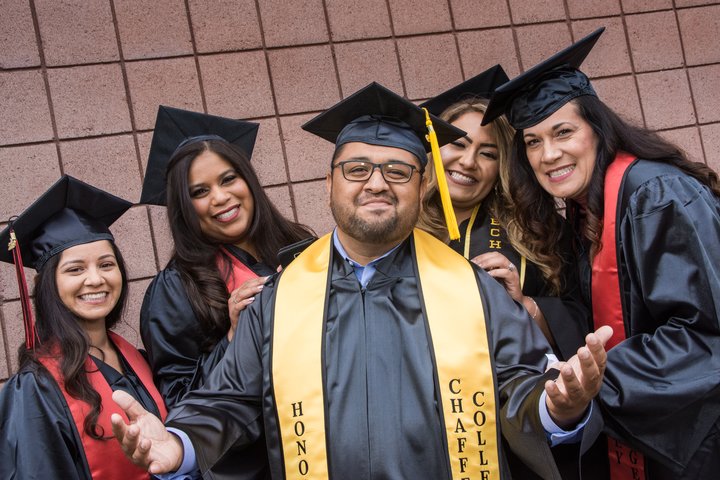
x: 58, y: 327
x: 535, y: 212
x: 194, y: 254
x: 500, y: 204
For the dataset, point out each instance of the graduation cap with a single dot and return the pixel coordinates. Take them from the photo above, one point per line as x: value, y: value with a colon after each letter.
x: 175, y: 128
x: 480, y: 86
x: 378, y: 116
x: 533, y: 96
x: 69, y: 213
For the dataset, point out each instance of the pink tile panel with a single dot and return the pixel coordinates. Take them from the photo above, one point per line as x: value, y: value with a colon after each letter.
x: 419, y: 16
x: 700, y: 29
x: 654, y: 41
x: 225, y: 25
x: 89, y: 100
x: 109, y: 163
x: 28, y: 171
x: 304, y: 78
x: 77, y: 31
x: 153, y: 28
x: 634, y: 6
x: 537, y: 42
x: 655, y: 91
x: 360, y: 63
x: 705, y: 82
x: 237, y: 85
x: 536, y: 11
x: 595, y: 8
x: 429, y: 64
x: 173, y: 82
x: 267, y: 159
x: 469, y: 14
x: 351, y: 20
x: 610, y: 55
x: 480, y: 49
x: 293, y: 23
x: 24, y: 106
x: 308, y: 155
x: 18, y: 46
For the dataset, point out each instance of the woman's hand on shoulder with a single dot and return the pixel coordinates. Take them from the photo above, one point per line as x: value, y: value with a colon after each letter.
x: 240, y: 298
x: 502, y: 269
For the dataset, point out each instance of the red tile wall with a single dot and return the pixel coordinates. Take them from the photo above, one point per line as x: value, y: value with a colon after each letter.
x: 80, y: 83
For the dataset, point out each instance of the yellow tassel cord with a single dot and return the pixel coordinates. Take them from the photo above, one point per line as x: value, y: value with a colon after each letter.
x: 450, y: 219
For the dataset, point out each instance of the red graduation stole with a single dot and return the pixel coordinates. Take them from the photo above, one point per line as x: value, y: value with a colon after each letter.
x: 625, y: 462
x: 105, y: 458
x: 237, y: 274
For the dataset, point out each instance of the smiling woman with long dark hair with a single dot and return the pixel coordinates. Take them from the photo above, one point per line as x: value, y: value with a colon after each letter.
x: 647, y: 223
x: 226, y: 235
x: 55, y: 411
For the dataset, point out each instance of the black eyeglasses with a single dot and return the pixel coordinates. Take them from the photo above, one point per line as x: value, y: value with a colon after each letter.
x: 392, y: 172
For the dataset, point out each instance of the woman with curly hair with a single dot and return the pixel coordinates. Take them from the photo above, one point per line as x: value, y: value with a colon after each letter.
x: 647, y: 222
x: 55, y: 412
x: 476, y: 172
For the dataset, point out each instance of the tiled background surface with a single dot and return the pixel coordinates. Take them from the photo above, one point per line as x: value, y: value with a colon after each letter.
x: 80, y: 82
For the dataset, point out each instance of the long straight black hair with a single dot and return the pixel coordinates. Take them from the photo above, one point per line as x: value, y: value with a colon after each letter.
x: 58, y: 327
x: 195, y: 253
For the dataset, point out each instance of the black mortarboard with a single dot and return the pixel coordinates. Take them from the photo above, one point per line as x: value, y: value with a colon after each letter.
x: 70, y: 213
x: 479, y: 86
x: 536, y: 94
x: 174, y: 128
x: 378, y: 116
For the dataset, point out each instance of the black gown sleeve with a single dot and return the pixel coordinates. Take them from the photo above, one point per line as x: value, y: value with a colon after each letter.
x: 170, y: 332
x: 520, y: 350
x: 661, y: 389
x: 567, y: 316
x: 226, y: 414
x: 39, y: 438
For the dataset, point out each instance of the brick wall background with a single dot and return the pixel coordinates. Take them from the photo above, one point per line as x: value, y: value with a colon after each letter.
x: 80, y: 82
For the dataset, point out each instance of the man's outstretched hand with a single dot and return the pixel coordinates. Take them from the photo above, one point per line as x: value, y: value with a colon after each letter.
x: 145, y: 441
x: 579, y: 381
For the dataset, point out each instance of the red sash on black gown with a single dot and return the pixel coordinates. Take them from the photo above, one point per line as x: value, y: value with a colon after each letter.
x: 105, y: 457
x: 625, y: 462
x: 239, y: 273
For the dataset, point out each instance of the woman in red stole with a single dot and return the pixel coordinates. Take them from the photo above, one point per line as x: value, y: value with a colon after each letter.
x: 226, y: 235
x: 55, y: 412
x: 476, y: 168
x: 647, y: 222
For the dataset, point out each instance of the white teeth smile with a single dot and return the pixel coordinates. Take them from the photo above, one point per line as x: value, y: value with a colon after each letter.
x: 90, y: 297
x: 462, y: 178
x: 227, y: 215
x: 561, y: 172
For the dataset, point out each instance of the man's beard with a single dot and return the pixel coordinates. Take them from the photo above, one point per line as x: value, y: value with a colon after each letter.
x: 380, y: 231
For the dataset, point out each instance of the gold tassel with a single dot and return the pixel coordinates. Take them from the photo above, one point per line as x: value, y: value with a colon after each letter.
x: 448, y: 210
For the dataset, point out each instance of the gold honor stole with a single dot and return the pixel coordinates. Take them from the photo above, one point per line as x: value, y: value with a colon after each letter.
x: 456, y: 321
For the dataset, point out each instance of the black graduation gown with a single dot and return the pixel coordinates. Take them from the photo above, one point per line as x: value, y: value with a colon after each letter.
x: 171, y: 332
x: 661, y: 392
x: 38, y: 435
x: 567, y: 316
x: 383, y: 418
